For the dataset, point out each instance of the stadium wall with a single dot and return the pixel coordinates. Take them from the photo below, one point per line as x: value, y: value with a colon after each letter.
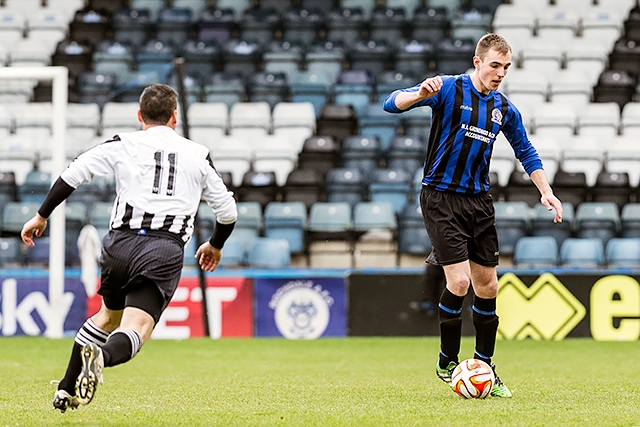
x: 308, y: 304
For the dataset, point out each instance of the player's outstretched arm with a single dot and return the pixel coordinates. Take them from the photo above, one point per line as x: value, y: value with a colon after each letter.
x: 33, y: 228
x: 428, y: 88
x: 547, y: 198
x: 208, y: 257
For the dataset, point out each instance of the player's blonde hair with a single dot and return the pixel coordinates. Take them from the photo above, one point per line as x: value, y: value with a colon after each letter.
x: 157, y: 104
x: 492, y: 41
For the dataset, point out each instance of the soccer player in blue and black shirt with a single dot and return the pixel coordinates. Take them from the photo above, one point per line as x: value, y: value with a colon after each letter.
x: 468, y: 113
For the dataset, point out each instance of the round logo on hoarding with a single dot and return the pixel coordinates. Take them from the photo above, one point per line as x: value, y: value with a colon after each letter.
x: 301, y: 309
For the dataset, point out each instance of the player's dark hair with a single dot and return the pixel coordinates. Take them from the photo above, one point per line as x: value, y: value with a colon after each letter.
x: 157, y: 104
x: 492, y: 41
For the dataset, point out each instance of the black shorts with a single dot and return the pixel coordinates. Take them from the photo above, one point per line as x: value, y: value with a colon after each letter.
x: 130, y: 261
x: 461, y: 227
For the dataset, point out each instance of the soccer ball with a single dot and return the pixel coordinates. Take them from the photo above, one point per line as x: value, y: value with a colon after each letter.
x: 473, y: 379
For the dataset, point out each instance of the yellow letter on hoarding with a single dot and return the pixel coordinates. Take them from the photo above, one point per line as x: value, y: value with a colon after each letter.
x: 604, y: 308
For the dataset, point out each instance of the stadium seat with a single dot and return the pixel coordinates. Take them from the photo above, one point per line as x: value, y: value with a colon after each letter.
x: 268, y: 87
x: 598, y: 220
x: 249, y: 223
x: 235, y: 253
x: 301, y: 24
x: 10, y: 252
x: 224, y: 87
x: 90, y: 26
x: 156, y: 56
x: 378, y: 123
x: 15, y: 214
x: 325, y: 58
x: 287, y: 220
x: 387, y: 23
x: 119, y: 117
x: 361, y: 152
x: 319, y: 152
x: 542, y: 56
x: 502, y: 160
x: 207, y: 120
x: 355, y: 88
x: 471, y: 23
x: 173, y: 25
x: 275, y: 154
x: 304, y: 185
x: 267, y: 252
x: 132, y: 26
x: 612, y: 187
x: 153, y: 6
x: 346, y: 185
x: 536, y: 252
x: 330, y: 239
x: 259, y: 23
x: 377, y: 245
x: 261, y: 187
x: 599, y: 120
x: 231, y: 154
x: 584, y: 154
x: 38, y: 255
x: 554, y: 120
x: 35, y: 187
x: 527, y: 88
x: 512, y: 222
x: 570, y: 87
x: 614, y: 86
x: 630, y: 220
x: 238, y: 6
x: 345, y: 25
x: 587, y: 57
x: 391, y: 185
x: 73, y: 55
x: 406, y: 152
x: 520, y: 188
x: 454, y: 55
x: 250, y: 119
x: 582, y: 253
x: 338, y: 121
x: 284, y: 56
x: 413, y: 240
x: 294, y: 120
x: 201, y: 59
x: 630, y: 119
x: 542, y: 222
x: 241, y: 56
x: 623, y: 252
x: 570, y: 187
x: 214, y: 26
x: 311, y: 87
x: 429, y: 23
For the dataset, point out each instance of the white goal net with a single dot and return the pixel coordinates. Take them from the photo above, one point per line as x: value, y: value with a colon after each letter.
x: 59, y: 77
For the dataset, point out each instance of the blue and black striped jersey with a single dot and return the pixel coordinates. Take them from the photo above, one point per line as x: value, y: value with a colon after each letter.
x: 465, y: 124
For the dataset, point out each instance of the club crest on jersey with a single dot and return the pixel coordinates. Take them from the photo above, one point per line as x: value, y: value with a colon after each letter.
x: 496, y: 116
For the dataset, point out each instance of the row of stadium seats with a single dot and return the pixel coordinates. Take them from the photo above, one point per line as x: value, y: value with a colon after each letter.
x: 330, y: 232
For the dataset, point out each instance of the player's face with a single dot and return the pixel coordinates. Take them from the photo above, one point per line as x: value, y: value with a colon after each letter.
x: 492, y: 69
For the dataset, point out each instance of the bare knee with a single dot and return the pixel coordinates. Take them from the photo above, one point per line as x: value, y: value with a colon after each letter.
x: 106, y: 319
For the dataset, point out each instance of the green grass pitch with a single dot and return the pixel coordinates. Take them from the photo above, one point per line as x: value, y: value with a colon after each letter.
x: 327, y: 382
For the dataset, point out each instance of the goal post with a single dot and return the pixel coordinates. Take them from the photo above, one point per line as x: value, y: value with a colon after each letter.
x: 59, y: 76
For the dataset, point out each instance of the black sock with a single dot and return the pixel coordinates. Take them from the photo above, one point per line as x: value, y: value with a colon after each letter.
x: 122, y: 345
x: 89, y: 332
x: 450, y: 311
x: 485, y: 321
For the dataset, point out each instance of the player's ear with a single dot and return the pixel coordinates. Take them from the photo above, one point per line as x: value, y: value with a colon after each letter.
x: 140, y: 117
x: 476, y: 61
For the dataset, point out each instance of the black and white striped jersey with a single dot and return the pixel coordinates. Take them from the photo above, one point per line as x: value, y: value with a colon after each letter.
x: 160, y: 179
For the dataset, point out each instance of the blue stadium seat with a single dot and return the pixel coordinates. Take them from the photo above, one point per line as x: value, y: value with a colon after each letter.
x: 228, y: 88
x: 156, y: 56
x: 374, y: 216
x: 630, y: 220
x: 512, y: 223
x: 354, y: 87
x: 623, y: 252
x: 38, y: 254
x: 599, y: 220
x: 536, y: 252
x: 234, y: 253
x: 582, y: 253
x: 542, y: 222
x: 378, y: 123
x: 311, y: 87
x: 10, y: 251
x: 330, y: 219
x: 284, y: 57
x: 266, y: 252
x: 287, y: 220
x: 406, y: 152
x: 35, y: 187
x: 414, y: 57
x: 249, y: 223
x: 413, y: 238
x: 325, y: 58
x: 391, y: 185
x: 471, y: 23
x: 389, y: 81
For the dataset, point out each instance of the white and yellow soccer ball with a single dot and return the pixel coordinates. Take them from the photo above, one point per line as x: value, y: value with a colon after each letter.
x: 473, y: 379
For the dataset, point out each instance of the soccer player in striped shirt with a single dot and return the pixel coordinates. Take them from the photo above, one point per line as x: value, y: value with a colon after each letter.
x: 160, y: 179
x: 468, y: 113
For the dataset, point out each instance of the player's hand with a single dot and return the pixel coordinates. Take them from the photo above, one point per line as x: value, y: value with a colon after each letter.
x: 208, y: 257
x: 33, y: 228
x: 552, y: 202
x: 429, y: 87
